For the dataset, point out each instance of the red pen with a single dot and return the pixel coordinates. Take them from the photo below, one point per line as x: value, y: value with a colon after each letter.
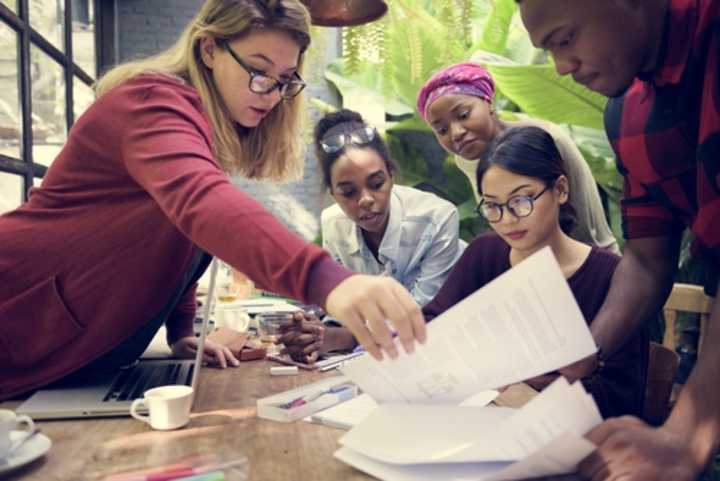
x: 179, y: 472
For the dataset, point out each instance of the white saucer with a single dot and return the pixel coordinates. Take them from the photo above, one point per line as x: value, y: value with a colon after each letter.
x: 28, y: 452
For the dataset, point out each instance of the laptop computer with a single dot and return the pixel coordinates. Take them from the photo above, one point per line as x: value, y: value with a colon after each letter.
x: 113, y: 396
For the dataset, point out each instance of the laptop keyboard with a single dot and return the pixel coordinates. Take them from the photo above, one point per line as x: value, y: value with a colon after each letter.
x: 134, y: 381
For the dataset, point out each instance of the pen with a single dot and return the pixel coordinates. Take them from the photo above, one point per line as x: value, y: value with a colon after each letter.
x: 179, y: 472
x: 185, y: 463
x: 302, y: 400
x: 143, y: 474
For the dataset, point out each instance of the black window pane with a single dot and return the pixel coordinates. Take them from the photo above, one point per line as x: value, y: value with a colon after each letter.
x: 83, y: 35
x: 48, y: 18
x: 48, y: 106
x: 10, y: 115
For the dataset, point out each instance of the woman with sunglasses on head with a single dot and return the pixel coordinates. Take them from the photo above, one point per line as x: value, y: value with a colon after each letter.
x: 110, y: 246
x: 375, y: 226
x: 457, y: 103
x: 525, y: 196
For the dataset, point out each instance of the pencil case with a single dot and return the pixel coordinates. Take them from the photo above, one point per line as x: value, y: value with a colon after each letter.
x: 276, y: 407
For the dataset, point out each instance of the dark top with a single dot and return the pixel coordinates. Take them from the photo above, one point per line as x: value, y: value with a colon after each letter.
x: 665, y: 130
x: 619, y: 387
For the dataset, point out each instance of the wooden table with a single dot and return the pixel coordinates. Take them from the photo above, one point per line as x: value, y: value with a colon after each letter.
x: 223, y: 424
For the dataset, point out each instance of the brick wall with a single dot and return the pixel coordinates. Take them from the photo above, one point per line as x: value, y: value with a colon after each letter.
x: 145, y: 27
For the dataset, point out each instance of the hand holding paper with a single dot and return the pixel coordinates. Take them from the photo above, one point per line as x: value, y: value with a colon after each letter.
x: 524, y: 323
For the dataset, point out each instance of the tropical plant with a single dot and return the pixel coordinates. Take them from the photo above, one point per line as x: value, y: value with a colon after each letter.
x: 384, y: 64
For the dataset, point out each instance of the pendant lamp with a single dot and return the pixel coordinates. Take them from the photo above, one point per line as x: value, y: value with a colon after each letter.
x: 344, y: 13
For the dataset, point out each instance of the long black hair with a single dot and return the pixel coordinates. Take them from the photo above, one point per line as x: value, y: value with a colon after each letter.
x: 345, y: 122
x: 528, y: 151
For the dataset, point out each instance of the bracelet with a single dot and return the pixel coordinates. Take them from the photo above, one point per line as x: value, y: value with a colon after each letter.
x: 599, y: 359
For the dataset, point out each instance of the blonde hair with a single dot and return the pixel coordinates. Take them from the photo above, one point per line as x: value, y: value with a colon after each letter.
x: 272, y: 150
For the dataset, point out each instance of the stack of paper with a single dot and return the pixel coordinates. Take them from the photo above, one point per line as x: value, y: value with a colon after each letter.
x: 399, y: 442
x: 353, y: 412
x: 523, y: 324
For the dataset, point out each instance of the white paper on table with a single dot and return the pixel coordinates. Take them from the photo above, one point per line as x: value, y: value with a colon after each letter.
x: 419, y: 472
x: 524, y: 323
x: 561, y: 456
x: 412, y: 434
x: 352, y: 412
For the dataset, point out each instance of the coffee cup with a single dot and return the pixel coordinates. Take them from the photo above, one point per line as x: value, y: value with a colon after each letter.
x: 168, y: 407
x: 9, y: 422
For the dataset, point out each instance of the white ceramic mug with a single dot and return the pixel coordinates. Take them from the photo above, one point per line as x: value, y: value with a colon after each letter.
x: 232, y: 316
x: 9, y: 421
x: 168, y: 407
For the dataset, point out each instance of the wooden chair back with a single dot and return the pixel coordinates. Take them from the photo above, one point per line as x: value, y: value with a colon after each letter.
x: 685, y: 298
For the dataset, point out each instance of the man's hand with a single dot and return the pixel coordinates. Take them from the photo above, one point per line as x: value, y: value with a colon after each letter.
x: 630, y: 450
x: 214, y: 355
x: 303, y: 337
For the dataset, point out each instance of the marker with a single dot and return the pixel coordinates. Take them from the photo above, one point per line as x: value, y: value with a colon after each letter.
x: 183, y: 473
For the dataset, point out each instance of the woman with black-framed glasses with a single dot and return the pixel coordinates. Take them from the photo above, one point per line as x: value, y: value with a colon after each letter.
x: 525, y: 196
x: 110, y: 246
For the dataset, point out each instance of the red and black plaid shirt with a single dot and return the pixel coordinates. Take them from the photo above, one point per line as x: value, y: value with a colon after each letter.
x: 665, y: 131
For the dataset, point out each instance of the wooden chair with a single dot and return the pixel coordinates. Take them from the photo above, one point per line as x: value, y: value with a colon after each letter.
x: 663, y: 360
x: 663, y: 364
x: 686, y: 298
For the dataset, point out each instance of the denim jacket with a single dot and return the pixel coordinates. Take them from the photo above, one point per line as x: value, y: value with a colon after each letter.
x: 419, y: 248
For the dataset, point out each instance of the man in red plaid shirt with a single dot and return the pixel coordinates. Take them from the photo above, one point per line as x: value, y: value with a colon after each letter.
x: 659, y: 61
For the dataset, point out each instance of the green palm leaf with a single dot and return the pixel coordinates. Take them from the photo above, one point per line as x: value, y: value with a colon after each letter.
x: 540, y: 92
x: 497, y: 27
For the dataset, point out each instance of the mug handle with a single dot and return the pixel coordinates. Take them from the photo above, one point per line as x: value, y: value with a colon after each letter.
x: 133, y: 410
x: 29, y: 432
x: 25, y: 419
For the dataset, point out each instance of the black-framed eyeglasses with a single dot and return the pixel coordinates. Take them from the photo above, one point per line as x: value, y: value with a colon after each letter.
x: 261, y: 83
x: 520, y: 206
x: 360, y: 136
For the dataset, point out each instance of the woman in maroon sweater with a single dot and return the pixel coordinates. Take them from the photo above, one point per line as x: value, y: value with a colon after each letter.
x: 525, y: 198
x: 110, y: 245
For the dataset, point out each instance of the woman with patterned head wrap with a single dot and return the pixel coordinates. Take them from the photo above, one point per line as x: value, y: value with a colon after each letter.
x: 457, y: 103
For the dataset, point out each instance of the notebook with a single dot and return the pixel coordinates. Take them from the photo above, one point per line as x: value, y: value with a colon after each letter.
x: 113, y: 396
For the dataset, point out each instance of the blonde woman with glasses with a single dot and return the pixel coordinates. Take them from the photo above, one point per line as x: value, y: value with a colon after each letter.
x: 110, y: 246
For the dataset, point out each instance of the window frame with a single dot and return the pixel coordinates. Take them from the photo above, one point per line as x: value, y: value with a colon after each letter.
x: 27, y: 36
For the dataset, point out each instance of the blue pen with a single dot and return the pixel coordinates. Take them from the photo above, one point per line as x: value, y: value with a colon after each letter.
x: 302, y: 400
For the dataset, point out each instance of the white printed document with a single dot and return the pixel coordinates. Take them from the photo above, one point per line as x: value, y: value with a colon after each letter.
x: 524, y: 323
x: 415, y: 442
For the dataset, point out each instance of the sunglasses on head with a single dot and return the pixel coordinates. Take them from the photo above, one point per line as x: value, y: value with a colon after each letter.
x: 360, y: 136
